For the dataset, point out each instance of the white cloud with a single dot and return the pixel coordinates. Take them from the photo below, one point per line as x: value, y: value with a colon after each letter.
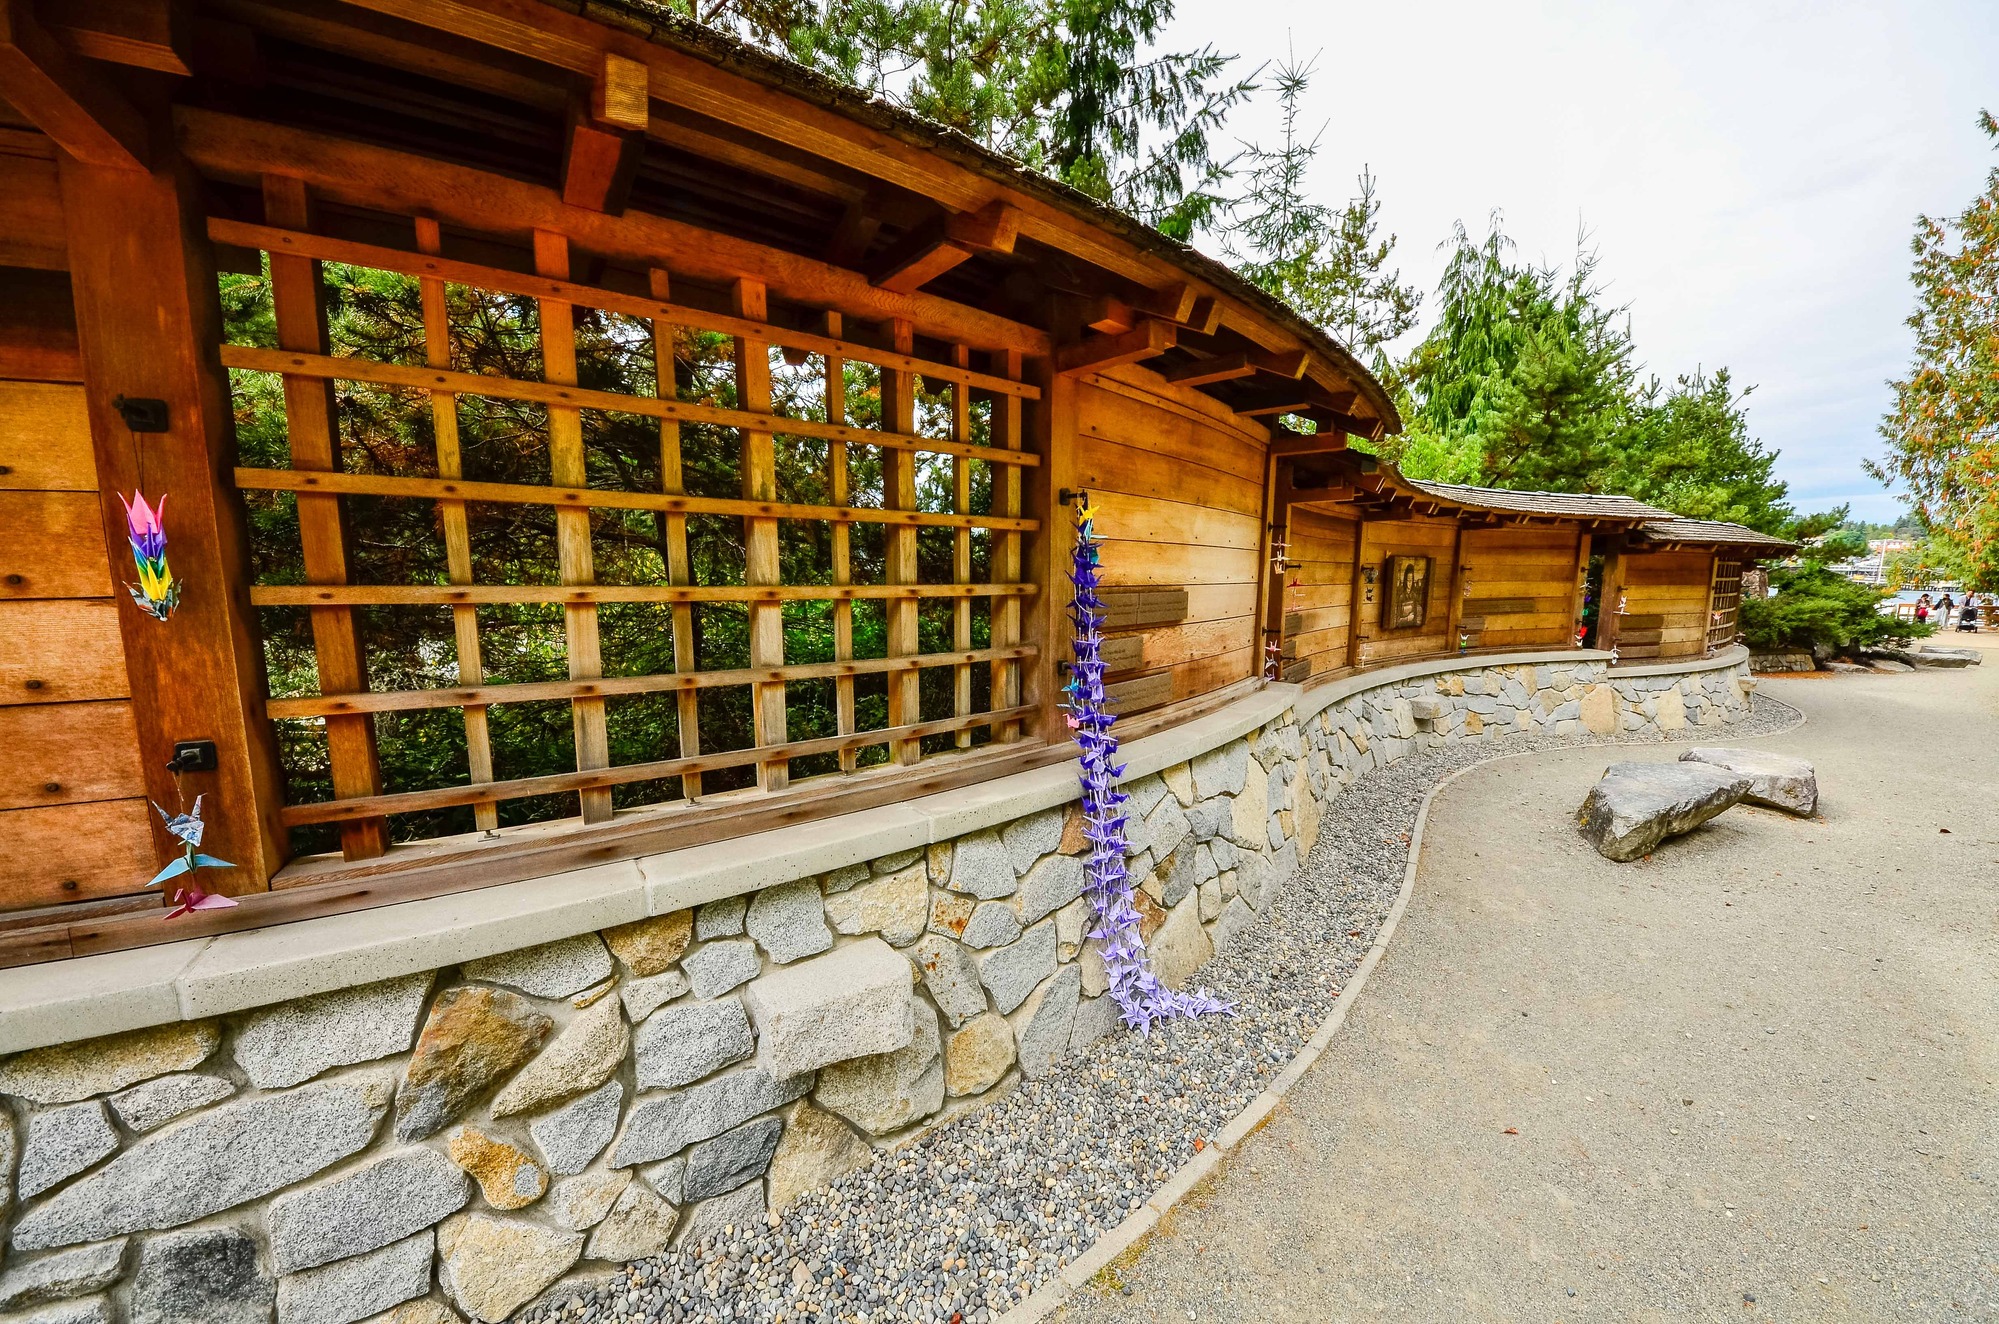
x: 1749, y: 173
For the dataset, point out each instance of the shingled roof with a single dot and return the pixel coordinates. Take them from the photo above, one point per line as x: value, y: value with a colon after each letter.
x: 1575, y: 505
x: 1713, y: 533
x: 657, y: 23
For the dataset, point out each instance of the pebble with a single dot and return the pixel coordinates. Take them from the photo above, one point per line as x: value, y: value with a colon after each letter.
x: 971, y: 1218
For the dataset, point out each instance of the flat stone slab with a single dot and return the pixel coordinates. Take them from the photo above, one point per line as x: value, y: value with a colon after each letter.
x: 1638, y: 805
x: 1945, y: 657
x: 1777, y: 781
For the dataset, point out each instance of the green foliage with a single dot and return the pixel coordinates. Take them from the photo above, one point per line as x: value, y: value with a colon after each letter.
x: 1686, y: 448
x: 1075, y: 88
x: 1328, y: 265
x: 1819, y: 610
x: 1943, y: 433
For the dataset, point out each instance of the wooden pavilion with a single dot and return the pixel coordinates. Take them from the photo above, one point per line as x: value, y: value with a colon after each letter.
x: 947, y: 345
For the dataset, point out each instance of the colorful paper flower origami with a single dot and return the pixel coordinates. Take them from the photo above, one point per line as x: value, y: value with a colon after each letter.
x: 157, y: 593
x: 1140, y: 996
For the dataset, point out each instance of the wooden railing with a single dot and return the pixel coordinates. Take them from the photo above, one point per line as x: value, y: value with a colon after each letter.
x: 320, y: 480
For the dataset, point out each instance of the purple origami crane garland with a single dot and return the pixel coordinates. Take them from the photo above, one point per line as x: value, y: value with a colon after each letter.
x: 1139, y: 994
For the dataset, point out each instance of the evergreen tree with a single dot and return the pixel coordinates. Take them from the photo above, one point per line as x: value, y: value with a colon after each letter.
x: 1687, y: 449
x: 1329, y: 265
x: 1943, y: 433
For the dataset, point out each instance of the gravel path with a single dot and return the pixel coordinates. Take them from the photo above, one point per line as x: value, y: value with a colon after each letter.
x: 1752, y: 1077
x: 971, y: 1218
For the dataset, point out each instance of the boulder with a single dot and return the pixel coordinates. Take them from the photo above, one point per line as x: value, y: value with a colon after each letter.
x: 639, y: 1224
x: 715, y: 1167
x: 790, y: 921
x: 63, y: 1142
x: 817, y: 1150
x: 157, y: 1102
x: 718, y: 967
x: 889, y: 1091
x: 349, y: 1290
x: 473, y: 1037
x: 553, y: 970
x: 65, y: 1073
x: 65, y: 1274
x: 507, y: 1177
x: 850, y: 1003
x: 896, y: 905
x: 952, y: 977
x: 491, y: 1267
x: 1043, y: 1023
x: 575, y: 1134
x: 365, y: 1209
x: 208, y: 1274
x: 1777, y: 781
x: 584, y: 1056
x: 1638, y: 805
x: 1937, y: 655
x: 225, y: 1157
x: 977, y: 1056
x: 650, y: 946
x: 294, y: 1041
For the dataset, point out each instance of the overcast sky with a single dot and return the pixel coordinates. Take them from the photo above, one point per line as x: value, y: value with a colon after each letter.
x: 1749, y: 172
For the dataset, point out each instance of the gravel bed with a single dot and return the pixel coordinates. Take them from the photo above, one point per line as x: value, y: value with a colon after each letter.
x: 966, y: 1221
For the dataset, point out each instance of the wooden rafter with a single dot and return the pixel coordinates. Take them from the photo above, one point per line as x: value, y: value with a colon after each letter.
x: 929, y: 251
x: 146, y: 34
x: 1205, y: 372
x: 607, y: 133
x: 64, y: 99
x: 1148, y: 339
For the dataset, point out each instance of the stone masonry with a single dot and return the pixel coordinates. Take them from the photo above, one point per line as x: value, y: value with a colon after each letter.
x: 479, y: 1137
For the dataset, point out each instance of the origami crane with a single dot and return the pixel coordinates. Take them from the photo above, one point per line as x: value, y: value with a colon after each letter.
x: 187, y: 829
x: 1141, y: 998
x: 157, y: 592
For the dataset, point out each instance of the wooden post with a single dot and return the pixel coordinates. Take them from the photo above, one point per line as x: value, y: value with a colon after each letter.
x: 760, y: 549
x: 1269, y: 596
x: 314, y: 429
x: 1354, y: 604
x: 961, y: 545
x: 1454, y: 614
x: 1006, y: 565
x: 457, y: 530
x: 899, y: 478
x: 148, y: 323
x: 1607, y: 619
x: 838, y: 484
x: 575, y: 562
x: 1582, y: 586
x: 1048, y: 547
x: 679, y: 570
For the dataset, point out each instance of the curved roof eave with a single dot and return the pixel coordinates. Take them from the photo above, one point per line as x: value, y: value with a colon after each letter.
x: 689, y: 37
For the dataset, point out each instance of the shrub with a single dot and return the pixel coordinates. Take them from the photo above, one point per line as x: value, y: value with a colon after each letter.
x: 1827, y: 613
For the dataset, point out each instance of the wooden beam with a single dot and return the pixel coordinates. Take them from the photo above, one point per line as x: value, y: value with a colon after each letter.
x: 1307, y: 443
x: 1109, y: 316
x: 929, y: 251
x: 1226, y: 368
x: 146, y: 34
x: 64, y: 99
x: 147, y: 322
x: 1205, y: 318
x: 1148, y: 339
x: 360, y: 174
x: 1289, y: 402
x: 1290, y: 364
x: 607, y: 136
x: 853, y: 235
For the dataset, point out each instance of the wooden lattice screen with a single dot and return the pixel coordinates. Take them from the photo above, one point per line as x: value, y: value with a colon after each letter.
x: 1724, y: 602
x: 321, y: 481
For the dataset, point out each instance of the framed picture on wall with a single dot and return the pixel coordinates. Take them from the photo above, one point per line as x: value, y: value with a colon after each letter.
x: 1408, y: 597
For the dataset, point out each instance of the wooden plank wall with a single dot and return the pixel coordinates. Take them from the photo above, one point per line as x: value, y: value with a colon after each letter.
x: 1178, y: 484
x: 73, y: 817
x: 1520, y: 586
x: 1666, y: 605
x: 1318, y: 593
x: 1434, y: 538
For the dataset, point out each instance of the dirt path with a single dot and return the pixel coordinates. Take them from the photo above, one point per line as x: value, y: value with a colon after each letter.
x: 1755, y: 1077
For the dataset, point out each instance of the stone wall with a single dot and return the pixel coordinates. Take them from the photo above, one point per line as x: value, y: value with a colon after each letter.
x: 455, y: 1144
